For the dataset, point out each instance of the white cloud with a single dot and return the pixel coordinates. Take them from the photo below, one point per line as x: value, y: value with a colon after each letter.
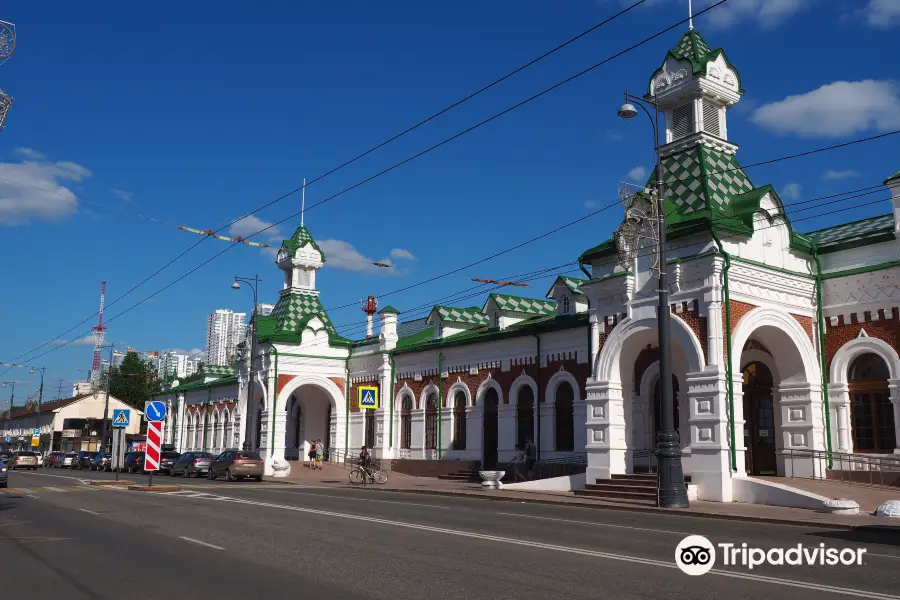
x: 614, y: 136
x: 590, y: 204
x: 249, y: 225
x: 791, y: 191
x: 123, y: 195
x: 881, y: 14
x: 845, y: 174
x: 87, y: 340
x: 30, y: 153
x: 637, y: 174
x: 342, y: 255
x: 835, y: 110
x: 32, y: 190
x: 401, y: 254
x: 194, y: 353
x: 766, y: 13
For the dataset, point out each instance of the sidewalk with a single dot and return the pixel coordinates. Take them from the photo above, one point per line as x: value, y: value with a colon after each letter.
x: 338, y: 477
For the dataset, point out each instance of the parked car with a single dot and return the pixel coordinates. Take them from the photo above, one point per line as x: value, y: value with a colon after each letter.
x: 166, y: 460
x: 237, y: 464
x: 23, y: 460
x: 4, y: 475
x: 83, y: 460
x: 134, y: 462
x: 64, y: 461
x: 100, y: 461
x: 192, y: 464
x: 52, y: 458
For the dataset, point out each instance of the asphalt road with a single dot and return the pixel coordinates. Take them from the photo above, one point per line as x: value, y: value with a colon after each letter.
x: 221, y: 540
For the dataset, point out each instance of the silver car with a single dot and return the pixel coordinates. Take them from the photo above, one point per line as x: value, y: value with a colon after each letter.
x: 192, y: 464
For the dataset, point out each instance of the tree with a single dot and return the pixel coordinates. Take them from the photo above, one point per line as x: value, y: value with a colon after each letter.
x: 133, y: 381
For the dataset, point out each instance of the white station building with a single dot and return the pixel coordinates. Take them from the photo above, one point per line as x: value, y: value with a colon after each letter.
x: 785, y: 344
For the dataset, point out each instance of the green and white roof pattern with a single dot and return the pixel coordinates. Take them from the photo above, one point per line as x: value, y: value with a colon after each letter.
x: 301, y: 238
x: 854, y: 231
x: 892, y: 177
x: 699, y: 176
x: 293, y: 312
x: 533, y: 306
x: 691, y: 47
x: 573, y: 283
x: 472, y: 315
x: 217, y: 370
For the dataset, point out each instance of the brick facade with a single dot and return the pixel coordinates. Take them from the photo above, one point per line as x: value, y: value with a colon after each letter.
x: 691, y: 316
x: 354, y: 391
x: 807, y: 324
x: 738, y: 310
x: 886, y: 329
x: 647, y: 357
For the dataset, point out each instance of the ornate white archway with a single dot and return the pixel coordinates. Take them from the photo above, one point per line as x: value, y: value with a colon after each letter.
x: 489, y: 383
x: 326, y: 397
x: 839, y: 389
x: 520, y: 382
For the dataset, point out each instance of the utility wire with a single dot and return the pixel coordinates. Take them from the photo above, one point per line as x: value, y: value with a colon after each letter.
x: 397, y: 165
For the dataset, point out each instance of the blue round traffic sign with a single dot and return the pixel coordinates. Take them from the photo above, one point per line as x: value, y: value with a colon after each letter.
x: 156, y: 411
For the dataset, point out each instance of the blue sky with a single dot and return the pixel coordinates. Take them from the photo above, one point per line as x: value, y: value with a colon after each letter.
x: 197, y: 112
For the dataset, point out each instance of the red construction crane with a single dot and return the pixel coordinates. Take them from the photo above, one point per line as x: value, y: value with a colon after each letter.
x: 99, y: 331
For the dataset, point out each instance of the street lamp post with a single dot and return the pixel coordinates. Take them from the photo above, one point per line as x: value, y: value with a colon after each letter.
x: 111, y: 349
x: 12, y: 398
x: 37, y: 414
x: 254, y: 285
x: 672, y: 491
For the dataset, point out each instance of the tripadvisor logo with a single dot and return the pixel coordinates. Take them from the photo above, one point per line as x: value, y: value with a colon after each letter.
x: 696, y: 555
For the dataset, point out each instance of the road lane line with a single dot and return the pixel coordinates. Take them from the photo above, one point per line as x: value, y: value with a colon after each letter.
x: 526, y: 517
x: 208, y: 545
x: 366, y: 500
x: 90, y: 512
x: 807, y: 585
x: 32, y: 496
x: 54, y: 489
x: 15, y: 523
x: 25, y: 490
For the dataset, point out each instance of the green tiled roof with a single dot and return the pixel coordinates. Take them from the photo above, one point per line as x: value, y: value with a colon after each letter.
x: 532, y: 306
x: 691, y: 47
x: 573, y: 283
x: 471, y: 315
x: 892, y: 177
x: 700, y: 177
x: 388, y: 310
x: 857, y: 230
x: 301, y: 238
x: 217, y: 370
x: 292, y: 314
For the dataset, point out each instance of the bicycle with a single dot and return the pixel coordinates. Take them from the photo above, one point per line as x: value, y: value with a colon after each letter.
x: 360, y: 475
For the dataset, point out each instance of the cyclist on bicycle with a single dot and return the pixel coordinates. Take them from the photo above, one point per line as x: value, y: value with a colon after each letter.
x: 364, y: 458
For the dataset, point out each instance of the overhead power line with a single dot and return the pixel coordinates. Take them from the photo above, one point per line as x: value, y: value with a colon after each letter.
x: 432, y: 148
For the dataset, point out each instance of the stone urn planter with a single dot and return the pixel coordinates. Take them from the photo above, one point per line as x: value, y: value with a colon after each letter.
x: 891, y: 508
x: 280, y: 468
x: 491, y: 479
x: 841, y: 506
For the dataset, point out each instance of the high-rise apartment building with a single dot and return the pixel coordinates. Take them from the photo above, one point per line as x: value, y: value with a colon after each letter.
x: 225, y: 329
x: 173, y: 364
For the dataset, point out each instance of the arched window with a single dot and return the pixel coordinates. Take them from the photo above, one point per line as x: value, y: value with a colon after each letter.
x: 189, y: 438
x: 370, y: 428
x: 565, y: 305
x: 564, y: 410
x: 459, y: 420
x: 216, y: 430
x: 871, y: 413
x: 524, y: 415
x: 431, y: 422
x: 406, y: 422
x: 227, y: 441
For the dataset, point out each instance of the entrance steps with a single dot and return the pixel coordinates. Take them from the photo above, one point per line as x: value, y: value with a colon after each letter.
x: 639, y: 488
x: 463, y: 475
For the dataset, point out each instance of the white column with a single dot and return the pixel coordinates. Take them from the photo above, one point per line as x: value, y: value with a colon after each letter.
x: 839, y: 397
x: 606, y: 446
x: 506, y: 432
x: 740, y: 424
x: 715, y: 337
x: 709, y: 431
x: 580, y: 425
x: 595, y: 340
x: 417, y: 434
x: 894, y: 387
x: 802, y: 428
x: 383, y: 414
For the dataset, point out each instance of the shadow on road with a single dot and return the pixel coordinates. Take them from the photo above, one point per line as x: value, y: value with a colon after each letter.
x: 875, y: 534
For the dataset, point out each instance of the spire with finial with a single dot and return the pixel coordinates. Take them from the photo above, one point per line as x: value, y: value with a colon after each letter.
x: 303, y: 202
x: 690, y: 16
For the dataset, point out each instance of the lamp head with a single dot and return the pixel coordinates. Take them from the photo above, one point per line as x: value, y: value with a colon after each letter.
x: 627, y: 111
x: 235, y: 286
x: 31, y: 371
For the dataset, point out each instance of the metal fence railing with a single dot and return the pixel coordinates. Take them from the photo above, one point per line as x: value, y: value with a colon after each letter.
x: 348, y: 460
x: 849, y: 469
x: 574, y: 464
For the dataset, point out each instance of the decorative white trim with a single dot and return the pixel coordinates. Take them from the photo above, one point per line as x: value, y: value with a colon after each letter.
x: 553, y: 384
x: 521, y: 381
x: 483, y: 387
x: 843, y: 358
x: 451, y: 393
x: 423, y: 397
x: 398, y: 398
x: 336, y: 396
x: 778, y: 319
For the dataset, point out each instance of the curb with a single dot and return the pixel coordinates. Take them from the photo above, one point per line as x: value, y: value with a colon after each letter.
x: 626, y: 508
x: 110, y: 483
x: 156, y: 488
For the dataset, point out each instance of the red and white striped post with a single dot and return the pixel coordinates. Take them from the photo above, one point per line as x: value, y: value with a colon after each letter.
x: 154, y: 445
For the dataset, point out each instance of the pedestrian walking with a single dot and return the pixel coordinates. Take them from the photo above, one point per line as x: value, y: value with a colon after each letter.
x: 311, y: 455
x: 518, y: 463
x: 530, y: 456
x: 320, y: 453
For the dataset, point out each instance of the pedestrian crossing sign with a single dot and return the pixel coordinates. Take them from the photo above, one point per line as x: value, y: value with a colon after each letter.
x: 121, y: 417
x: 368, y: 397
